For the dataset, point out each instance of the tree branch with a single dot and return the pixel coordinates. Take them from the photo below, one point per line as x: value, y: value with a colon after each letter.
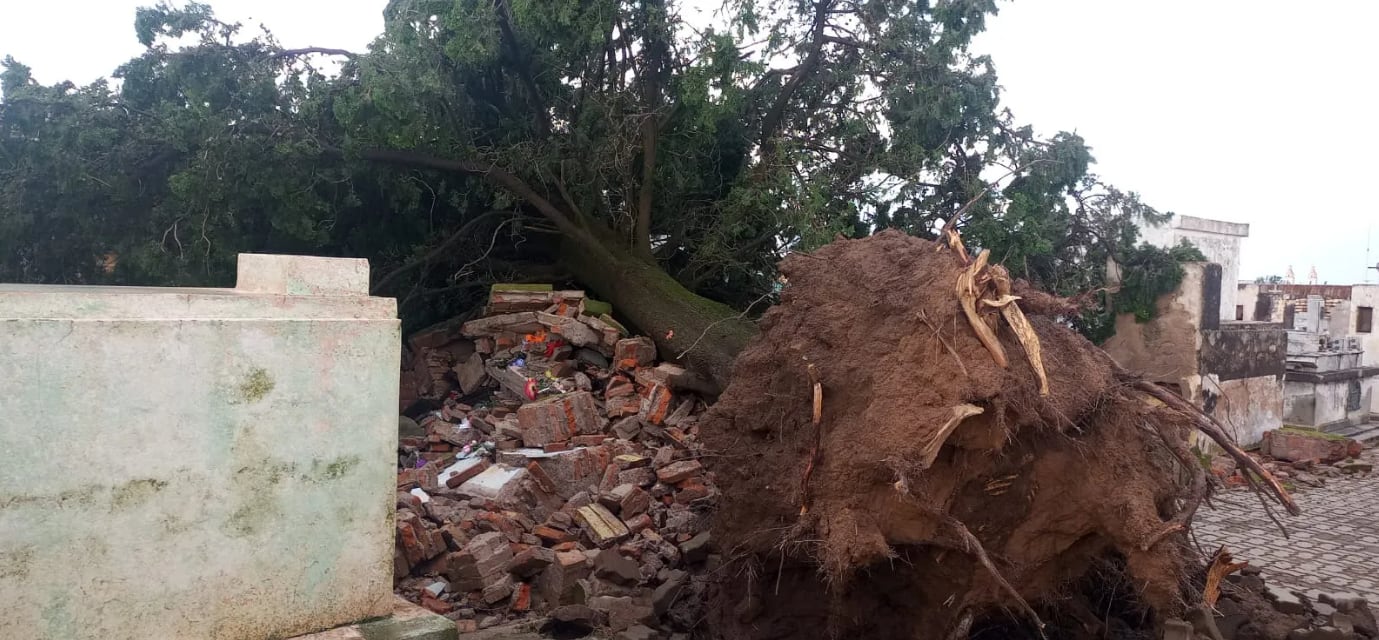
x: 440, y: 250
x: 642, y: 232
x: 522, y: 64
x: 288, y: 53
x: 494, y: 175
x: 772, y: 122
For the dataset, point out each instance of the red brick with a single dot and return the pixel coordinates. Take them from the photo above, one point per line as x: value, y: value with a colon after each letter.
x: 454, y: 535
x: 1296, y: 446
x: 424, y: 477
x: 691, y: 490
x: 559, y: 583
x: 575, y: 470
x: 679, y: 471
x: 556, y: 447
x: 655, y: 405
x: 588, y: 441
x: 463, y: 476
x: 531, y: 561
x: 521, y: 599
x: 490, y: 521
x: 631, y: 500
x: 640, y: 522
x: 541, y: 478
x: 642, y: 477
x: 552, y: 535
x: 481, y: 565
x: 565, y: 546
x: 418, y: 542
x: 558, y: 419
x: 623, y: 406
x: 634, y: 352
x: 436, y: 605
x: 619, y: 388
x: 609, y: 479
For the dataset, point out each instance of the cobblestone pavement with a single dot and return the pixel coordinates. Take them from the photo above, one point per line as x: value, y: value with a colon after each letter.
x: 1334, y: 545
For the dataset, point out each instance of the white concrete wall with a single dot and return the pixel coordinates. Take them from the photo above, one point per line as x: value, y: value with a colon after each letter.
x: 1366, y: 295
x: 1218, y: 240
x: 1247, y: 407
x: 1311, y: 404
x: 197, y: 463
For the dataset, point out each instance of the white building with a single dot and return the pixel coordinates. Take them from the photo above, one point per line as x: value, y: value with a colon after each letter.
x: 1218, y: 240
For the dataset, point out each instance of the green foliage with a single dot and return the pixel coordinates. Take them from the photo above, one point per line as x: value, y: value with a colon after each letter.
x: 708, y: 153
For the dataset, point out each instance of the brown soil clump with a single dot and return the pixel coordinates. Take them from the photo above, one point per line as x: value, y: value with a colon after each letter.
x: 921, y: 518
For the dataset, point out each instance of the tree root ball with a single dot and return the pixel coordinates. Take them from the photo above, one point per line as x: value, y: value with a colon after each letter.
x: 904, y: 530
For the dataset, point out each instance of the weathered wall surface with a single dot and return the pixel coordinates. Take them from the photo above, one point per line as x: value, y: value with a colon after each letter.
x: 1242, y: 367
x: 1330, y: 398
x: 1233, y: 370
x: 1247, y: 407
x: 193, y: 463
x: 1244, y: 350
x: 1165, y: 348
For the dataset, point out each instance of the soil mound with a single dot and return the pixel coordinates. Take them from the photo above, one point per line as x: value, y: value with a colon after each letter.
x: 937, y: 491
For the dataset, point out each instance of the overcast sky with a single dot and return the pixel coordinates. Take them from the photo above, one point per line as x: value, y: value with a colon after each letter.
x: 1244, y: 110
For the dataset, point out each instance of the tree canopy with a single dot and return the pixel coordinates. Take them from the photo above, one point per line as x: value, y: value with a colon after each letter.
x: 667, y: 165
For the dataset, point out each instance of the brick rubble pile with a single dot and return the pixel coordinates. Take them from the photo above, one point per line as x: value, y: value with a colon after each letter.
x: 556, y: 476
x: 1300, y: 458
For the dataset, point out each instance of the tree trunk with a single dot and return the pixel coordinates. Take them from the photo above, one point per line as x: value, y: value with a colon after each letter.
x: 708, y: 333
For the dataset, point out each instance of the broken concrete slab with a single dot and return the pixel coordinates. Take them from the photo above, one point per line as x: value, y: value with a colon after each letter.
x: 1285, y: 601
x: 407, y: 622
x: 497, y: 483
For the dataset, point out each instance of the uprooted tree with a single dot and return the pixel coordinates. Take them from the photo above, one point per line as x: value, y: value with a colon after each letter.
x: 668, y: 163
x: 903, y: 453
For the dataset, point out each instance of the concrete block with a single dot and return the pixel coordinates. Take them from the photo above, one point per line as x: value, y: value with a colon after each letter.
x: 302, y: 275
x: 259, y: 423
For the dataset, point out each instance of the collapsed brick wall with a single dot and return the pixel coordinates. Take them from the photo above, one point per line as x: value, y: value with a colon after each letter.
x: 558, y: 477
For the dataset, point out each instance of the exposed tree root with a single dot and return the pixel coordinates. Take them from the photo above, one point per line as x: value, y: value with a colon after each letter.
x: 1208, y: 425
x: 817, y: 413
x: 969, y: 292
x: 931, y: 448
x: 1220, y: 567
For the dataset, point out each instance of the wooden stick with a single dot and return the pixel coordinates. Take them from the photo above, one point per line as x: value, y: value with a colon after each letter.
x: 818, y: 416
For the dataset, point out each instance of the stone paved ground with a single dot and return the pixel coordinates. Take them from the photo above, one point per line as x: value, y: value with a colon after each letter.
x: 1334, y: 544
